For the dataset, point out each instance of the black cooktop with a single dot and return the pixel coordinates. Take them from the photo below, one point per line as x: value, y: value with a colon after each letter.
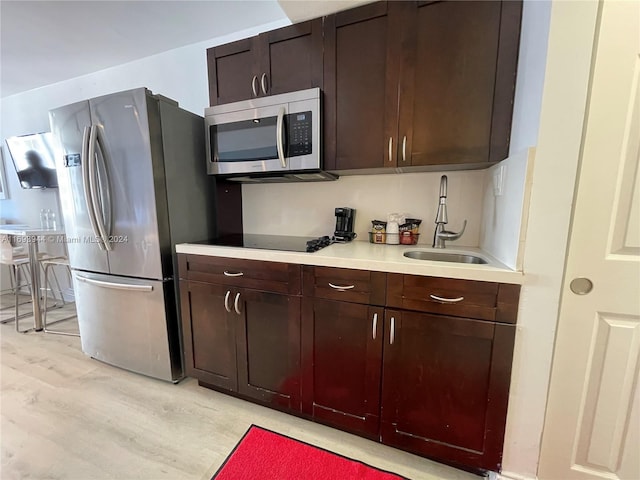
x: 272, y: 242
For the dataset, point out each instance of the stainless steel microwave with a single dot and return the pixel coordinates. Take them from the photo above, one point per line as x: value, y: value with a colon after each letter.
x: 275, y: 138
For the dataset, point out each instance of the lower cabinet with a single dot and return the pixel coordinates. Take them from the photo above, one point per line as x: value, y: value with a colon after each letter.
x: 244, y: 341
x: 342, y: 355
x: 210, y: 340
x: 268, y: 348
x: 419, y: 363
x: 445, y: 387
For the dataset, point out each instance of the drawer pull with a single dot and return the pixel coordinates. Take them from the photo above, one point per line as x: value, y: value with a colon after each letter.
x: 446, y: 300
x: 375, y: 325
x: 341, y: 288
x: 230, y: 274
x: 235, y: 303
x: 226, y: 301
x: 392, y: 335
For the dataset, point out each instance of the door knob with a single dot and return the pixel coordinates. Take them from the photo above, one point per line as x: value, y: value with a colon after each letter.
x: 581, y: 286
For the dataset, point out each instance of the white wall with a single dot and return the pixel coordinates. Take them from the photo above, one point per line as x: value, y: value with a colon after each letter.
x: 564, y: 98
x: 534, y: 35
x: 180, y: 74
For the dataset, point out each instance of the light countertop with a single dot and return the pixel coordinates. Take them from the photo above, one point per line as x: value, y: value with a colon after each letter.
x: 361, y: 255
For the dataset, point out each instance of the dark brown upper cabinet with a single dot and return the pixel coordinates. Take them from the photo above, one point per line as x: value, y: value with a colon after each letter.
x: 278, y: 61
x: 360, y: 86
x: 420, y: 84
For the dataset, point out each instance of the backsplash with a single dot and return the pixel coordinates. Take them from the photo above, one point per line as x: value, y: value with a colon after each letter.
x: 308, y: 208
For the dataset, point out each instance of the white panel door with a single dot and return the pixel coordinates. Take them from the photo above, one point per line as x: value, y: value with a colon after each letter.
x: 592, y: 426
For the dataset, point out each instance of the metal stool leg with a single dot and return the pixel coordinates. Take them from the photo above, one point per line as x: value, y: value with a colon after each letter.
x: 17, y: 291
x: 44, y: 317
x: 13, y: 277
x: 48, y: 286
x: 13, y: 291
x: 17, y: 317
x: 13, y: 284
x: 55, y: 278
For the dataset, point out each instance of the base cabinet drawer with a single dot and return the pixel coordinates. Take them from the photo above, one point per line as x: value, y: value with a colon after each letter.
x: 254, y: 274
x: 451, y: 296
x: 345, y: 285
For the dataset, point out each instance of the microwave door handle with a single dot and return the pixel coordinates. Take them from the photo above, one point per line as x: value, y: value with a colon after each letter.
x: 84, y: 163
x: 279, y: 143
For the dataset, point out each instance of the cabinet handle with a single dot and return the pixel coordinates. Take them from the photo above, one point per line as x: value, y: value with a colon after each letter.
x: 404, y: 149
x: 390, y: 149
x: 235, y: 274
x: 235, y: 303
x: 226, y: 301
x: 341, y: 288
x: 375, y: 325
x: 254, y: 86
x: 263, y: 83
x: 446, y: 300
x: 392, y: 335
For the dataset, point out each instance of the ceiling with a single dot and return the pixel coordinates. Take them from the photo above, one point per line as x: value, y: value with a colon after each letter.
x: 44, y: 42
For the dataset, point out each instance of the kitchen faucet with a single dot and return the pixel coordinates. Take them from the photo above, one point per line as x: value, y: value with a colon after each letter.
x: 440, y: 234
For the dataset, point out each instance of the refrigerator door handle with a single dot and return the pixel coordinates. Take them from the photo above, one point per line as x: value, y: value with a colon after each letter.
x: 85, y: 162
x: 117, y: 286
x: 93, y: 140
x: 104, y: 185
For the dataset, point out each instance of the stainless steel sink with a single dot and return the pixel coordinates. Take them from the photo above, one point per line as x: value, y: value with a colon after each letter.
x: 444, y: 257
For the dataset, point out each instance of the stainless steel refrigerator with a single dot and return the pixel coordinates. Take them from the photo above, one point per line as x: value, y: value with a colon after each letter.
x: 133, y: 183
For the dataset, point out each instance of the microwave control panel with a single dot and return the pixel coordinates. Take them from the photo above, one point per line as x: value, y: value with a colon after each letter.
x: 299, y: 127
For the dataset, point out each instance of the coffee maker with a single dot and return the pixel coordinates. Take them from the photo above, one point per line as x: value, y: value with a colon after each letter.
x: 345, y: 218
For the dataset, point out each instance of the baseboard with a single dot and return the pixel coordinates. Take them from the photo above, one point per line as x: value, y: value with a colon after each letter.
x: 510, y: 476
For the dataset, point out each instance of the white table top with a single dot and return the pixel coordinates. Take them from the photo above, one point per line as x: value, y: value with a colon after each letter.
x: 26, y: 230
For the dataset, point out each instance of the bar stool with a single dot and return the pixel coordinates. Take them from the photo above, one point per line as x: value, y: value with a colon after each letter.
x: 48, y: 263
x: 18, y: 261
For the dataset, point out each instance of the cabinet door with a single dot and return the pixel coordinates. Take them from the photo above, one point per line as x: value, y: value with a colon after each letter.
x: 209, y: 334
x: 233, y: 71
x: 361, y: 87
x: 342, y: 356
x: 268, y: 342
x: 445, y: 387
x: 291, y: 58
x: 458, y: 81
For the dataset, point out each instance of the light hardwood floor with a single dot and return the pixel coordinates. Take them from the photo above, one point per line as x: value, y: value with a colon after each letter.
x: 66, y: 416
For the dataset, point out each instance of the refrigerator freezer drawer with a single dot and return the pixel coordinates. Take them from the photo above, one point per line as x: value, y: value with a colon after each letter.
x: 123, y: 322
